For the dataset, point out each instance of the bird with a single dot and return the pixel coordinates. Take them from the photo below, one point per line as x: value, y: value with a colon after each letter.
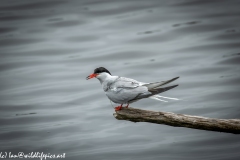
x: 122, y: 90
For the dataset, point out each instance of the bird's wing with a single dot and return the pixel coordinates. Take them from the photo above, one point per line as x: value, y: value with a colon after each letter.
x: 126, y: 90
x: 123, y: 82
x: 122, y: 90
x: 158, y: 84
x: 151, y: 93
x: 155, y: 88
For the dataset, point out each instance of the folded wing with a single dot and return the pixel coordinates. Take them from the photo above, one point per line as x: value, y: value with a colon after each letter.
x: 126, y: 90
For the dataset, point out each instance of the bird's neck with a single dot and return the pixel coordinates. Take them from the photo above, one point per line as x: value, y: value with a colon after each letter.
x: 106, y: 78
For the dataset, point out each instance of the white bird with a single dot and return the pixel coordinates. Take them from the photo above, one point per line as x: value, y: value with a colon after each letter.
x: 124, y: 90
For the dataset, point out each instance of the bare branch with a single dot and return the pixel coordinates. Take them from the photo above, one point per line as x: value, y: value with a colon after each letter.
x: 179, y: 120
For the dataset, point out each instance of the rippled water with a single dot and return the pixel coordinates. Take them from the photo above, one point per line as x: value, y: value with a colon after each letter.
x: 47, y: 48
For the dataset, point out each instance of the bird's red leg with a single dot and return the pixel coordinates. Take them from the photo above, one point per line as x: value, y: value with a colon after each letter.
x: 118, y: 108
x: 127, y: 105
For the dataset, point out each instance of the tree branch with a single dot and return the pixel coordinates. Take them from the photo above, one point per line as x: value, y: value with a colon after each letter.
x: 179, y: 120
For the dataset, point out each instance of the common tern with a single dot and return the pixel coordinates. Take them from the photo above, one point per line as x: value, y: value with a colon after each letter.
x: 124, y: 90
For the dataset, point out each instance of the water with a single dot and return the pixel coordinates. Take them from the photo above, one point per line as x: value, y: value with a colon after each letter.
x: 48, y: 48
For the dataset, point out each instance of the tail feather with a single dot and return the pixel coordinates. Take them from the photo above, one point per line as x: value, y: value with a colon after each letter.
x: 158, y: 99
x: 155, y: 88
x: 153, y: 93
x: 166, y: 97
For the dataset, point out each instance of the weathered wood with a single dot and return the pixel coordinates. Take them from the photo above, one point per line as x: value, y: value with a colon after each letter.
x: 179, y: 120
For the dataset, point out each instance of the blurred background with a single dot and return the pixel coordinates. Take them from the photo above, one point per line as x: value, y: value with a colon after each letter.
x: 47, y: 48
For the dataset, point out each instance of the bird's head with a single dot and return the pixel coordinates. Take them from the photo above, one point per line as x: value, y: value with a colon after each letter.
x: 99, y: 73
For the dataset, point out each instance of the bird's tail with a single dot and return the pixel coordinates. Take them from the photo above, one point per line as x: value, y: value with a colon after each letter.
x: 157, y: 97
x: 157, y: 87
x: 154, y: 89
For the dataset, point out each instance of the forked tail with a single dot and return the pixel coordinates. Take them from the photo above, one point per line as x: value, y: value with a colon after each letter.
x: 156, y: 88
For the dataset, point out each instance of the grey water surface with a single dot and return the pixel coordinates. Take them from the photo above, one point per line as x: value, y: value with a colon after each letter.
x: 47, y: 48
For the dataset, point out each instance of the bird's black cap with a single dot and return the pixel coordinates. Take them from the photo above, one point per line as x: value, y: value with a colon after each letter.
x: 101, y: 69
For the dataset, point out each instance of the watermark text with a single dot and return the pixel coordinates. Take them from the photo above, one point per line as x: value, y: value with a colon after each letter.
x: 39, y: 155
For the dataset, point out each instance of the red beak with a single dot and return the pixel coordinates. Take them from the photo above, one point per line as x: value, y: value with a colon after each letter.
x: 91, y: 76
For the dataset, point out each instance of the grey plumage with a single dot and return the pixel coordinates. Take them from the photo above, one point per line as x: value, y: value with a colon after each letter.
x: 158, y: 84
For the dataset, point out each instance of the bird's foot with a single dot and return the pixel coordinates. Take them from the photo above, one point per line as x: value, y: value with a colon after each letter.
x: 127, y: 106
x: 118, y: 108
